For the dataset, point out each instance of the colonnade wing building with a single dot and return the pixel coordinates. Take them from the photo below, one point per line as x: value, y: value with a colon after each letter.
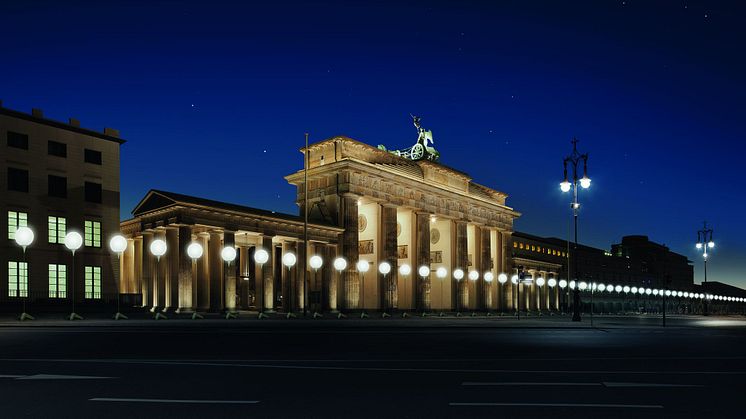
x: 364, y: 204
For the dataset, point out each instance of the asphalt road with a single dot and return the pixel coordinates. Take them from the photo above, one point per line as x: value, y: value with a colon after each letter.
x: 625, y: 367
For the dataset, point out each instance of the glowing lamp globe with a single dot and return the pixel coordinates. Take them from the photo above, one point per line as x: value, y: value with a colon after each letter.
x: 626, y: 289
x: 668, y: 293
x: 315, y: 262
x: 405, y: 269
x: 502, y: 278
x: 441, y: 272
x: 514, y: 279
x: 489, y: 276
x: 618, y: 288
x: 565, y: 186
x: 118, y: 244
x: 601, y: 287
x: 585, y: 182
x: 24, y: 237
x: 698, y: 245
x: 340, y: 264
x: 562, y: 283
x: 641, y: 290
x: 289, y: 259
x: 634, y: 290
x: 261, y: 256
x: 458, y: 274
x: 686, y: 295
x: 473, y: 275
x: 158, y: 247
x: 552, y: 282
x: 583, y: 285
x: 655, y: 292
x: 540, y: 281
x: 228, y: 254
x: 711, y: 244
x: 363, y: 266
x: 609, y: 288
x: 195, y: 251
x: 423, y: 271
x: 572, y: 284
x: 648, y: 291
x: 384, y: 268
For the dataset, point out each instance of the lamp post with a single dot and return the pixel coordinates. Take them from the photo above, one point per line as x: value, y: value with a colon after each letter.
x: 424, y: 272
x: 404, y: 271
x: 195, y: 251
x: 118, y: 244
x: 459, y: 275
x: 340, y: 264
x: 158, y: 248
x: 228, y: 254
x: 585, y: 182
x: 705, y: 242
x: 315, y: 262
x: 288, y: 260
x: 474, y: 276
x: 563, y: 284
x: 502, y: 279
x: 488, y: 278
x: 362, y: 267
x: 441, y: 274
x: 24, y: 236
x: 384, y: 268
x: 540, y: 281
x: 552, y: 283
x: 73, y: 241
x: 515, y: 280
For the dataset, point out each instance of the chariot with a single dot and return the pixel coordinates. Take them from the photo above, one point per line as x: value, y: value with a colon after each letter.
x: 422, y: 150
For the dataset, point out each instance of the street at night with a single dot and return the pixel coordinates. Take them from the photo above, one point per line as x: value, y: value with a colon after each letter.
x: 433, y: 367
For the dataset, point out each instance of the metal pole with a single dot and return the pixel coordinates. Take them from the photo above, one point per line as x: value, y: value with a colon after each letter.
x: 576, y: 290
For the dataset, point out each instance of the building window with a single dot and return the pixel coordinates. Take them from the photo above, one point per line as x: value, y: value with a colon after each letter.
x: 17, y: 279
x: 57, y: 281
x: 92, y: 156
x: 17, y: 180
x: 16, y: 219
x: 93, y: 192
x: 57, y: 227
x: 93, y: 282
x: 57, y: 186
x: 17, y: 140
x: 515, y: 244
x: 92, y: 234
x: 55, y: 148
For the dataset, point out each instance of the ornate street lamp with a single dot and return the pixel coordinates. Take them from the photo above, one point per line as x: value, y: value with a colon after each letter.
x: 705, y: 243
x: 566, y: 185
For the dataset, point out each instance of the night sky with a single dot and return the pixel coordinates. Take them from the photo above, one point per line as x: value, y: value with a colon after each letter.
x: 214, y: 97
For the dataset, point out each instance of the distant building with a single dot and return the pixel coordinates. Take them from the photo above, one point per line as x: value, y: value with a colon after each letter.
x: 57, y: 177
x: 656, y: 261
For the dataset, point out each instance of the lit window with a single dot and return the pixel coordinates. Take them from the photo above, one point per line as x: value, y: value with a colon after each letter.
x: 93, y: 282
x: 515, y: 244
x: 57, y: 227
x: 92, y: 233
x: 15, y: 220
x: 57, y: 281
x: 520, y: 245
x: 17, y: 279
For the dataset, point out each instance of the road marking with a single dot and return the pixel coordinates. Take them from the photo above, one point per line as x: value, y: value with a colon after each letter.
x: 591, y: 405
x: 518, y: 384
x: 60, y: 377
x: 10, y: 376
x: 111, y: 399
x: 608, y: 384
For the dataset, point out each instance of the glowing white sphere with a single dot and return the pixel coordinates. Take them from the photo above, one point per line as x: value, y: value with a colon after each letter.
x: 502, y: 278
x: 641, y: 290
x: 618, y: 288
x: 315, y: 262
x: 655, y: 292
x: 489, y: 276
x: 601, y: 287
x: 423, y: 271
x: 626, y: 289
x: 540, y: 281
x: 699, y: 245
x: 572, y: 284
x: 473, y: 275
x: 686, y: 295
x: 583, y: 285
x: 441, y: 272
x: 585, y: 182
x: 384, y: 268
x: 228, y: 254
x: 609, y: 288
x: 289, y: 259
x: 405, y: 269
x: 562, y: 283
x: 458, y: 274
x: 648, y: 291
x: 668, y: 293
x: 195, y: 250
x: 340, y: 264
x: 711, y: 244
x: 634, y: 290
x: 261, y: 256
x: 565, y: 186
x: 73, y: 241
x: 552, y: 282
x: 514, y: 279
x: 118, y: 244
x: 25, y: 236
x: 681, y: 293
x: 363, y: 266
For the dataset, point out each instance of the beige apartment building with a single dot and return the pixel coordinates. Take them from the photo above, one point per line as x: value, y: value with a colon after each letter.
x: 55, y: 178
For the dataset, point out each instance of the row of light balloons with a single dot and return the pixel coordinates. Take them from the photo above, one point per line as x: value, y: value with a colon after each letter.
x: 24, y: 237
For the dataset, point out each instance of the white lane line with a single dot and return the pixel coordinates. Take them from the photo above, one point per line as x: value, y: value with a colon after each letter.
x: 609, y: 384
x: 112, y: 399
x: 10, y: 376
x: 590, y: 405
x: 518, y: 384
x: 61, y: 377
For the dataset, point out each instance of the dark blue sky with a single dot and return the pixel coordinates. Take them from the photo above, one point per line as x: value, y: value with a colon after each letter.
x: 214, y: 98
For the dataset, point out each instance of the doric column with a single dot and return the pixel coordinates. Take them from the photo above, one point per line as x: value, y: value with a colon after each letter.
x: 127, y: 269
x: 300, y: 279
x: 331, y: 279
x: 265, y: 278
x: 171, y: 280
x: 137, y: 270
x: 245, y: 269
x: 147, y: 269
x: 229, y: 281
x: 485, y: 266
x: 185, y: 270
x: 389, y: 291
x: 422, y: 258
x: 201, y: 280
x: 556, y: 296
x: 350, y: 277
x: 461, y: 262
x: 216, y: 271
